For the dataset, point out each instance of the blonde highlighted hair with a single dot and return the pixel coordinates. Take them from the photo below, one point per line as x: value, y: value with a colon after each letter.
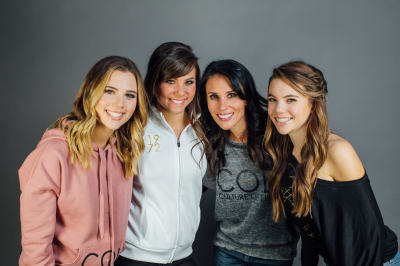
x: 309, y: 82
x: 78, y: 126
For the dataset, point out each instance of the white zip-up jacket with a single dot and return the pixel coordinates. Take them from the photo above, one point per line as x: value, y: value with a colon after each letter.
x: 165, y: 208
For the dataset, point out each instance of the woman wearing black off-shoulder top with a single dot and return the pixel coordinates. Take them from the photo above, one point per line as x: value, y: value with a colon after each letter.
x: 318, y: 182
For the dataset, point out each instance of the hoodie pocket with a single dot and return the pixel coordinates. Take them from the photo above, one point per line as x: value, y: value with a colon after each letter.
x: 68, y: 256
x: 92, y: 256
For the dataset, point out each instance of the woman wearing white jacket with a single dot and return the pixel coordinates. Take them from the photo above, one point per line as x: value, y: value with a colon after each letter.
x: 165, y: 208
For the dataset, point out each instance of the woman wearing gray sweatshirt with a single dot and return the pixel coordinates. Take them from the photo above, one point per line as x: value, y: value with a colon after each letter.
x: 234, y: 118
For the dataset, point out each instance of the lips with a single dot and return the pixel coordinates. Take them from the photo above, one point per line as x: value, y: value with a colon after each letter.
x: 178, y: 101
x: 225, y: 117
x: 114, y: 115
x: 282, y: 119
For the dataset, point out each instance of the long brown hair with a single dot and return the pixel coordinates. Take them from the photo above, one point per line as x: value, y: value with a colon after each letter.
x: 78, y: 126
x: 173, y: 60
x: 243, y: 84
x: 309, y: 82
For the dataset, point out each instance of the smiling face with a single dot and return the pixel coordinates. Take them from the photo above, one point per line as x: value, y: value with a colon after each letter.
x: 118, y: 102
x: 287, y: 109
x: 225, y: 106
x: 177, y: 93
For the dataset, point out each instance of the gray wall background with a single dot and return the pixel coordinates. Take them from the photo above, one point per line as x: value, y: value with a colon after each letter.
x: 47, y: 47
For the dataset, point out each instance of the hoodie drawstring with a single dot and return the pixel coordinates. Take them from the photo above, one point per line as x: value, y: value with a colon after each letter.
x: 106, y: 158
x: 102, y: 193
x: 110, y: 203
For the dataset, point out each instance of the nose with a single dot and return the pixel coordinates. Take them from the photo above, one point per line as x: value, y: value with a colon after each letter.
x: 180, y: 89
x: 279, y: 107
x: 119, y: 100
x: 222, y: 104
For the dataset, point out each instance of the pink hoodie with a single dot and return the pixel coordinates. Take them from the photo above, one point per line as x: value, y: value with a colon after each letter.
x: 71, y: 215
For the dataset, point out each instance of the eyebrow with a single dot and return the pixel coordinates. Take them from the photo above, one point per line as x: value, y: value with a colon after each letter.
x: 212, y: 92
x: 131, y: 91
x: 286, y: 96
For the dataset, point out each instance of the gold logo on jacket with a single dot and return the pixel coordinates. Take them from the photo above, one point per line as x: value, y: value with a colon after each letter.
x: 153, y: 143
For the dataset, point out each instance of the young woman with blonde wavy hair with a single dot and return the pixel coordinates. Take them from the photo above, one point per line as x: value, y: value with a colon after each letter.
x: 77, y: 184
x: 317, y: 181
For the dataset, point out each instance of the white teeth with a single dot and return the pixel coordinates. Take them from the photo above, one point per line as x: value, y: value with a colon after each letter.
x: 282, y: 119
x: 113, y: 114
x: 225, y: 116
x: 177, y: 101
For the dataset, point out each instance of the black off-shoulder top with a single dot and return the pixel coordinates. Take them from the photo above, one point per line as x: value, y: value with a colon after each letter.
x: 345, y: 226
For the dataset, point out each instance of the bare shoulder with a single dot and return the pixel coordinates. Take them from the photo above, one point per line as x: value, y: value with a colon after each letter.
x: 343, y: 162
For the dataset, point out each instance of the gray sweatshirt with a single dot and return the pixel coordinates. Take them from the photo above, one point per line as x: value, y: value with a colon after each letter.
x: 243, y: 209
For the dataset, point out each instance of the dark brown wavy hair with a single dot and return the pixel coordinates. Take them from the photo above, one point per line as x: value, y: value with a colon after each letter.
x: 309, y: 82
x: 174, y: 60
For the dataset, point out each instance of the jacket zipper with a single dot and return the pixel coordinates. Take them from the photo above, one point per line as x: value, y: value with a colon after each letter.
x: 177, y: 204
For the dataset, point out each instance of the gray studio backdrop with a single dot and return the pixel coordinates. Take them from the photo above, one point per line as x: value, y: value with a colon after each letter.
x: 48, y: 46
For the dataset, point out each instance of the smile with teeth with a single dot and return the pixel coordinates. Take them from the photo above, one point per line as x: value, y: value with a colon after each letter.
x: 114, y: 114
x: 178, y: 101
x: 225, y: 116
x: 282, y: 119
